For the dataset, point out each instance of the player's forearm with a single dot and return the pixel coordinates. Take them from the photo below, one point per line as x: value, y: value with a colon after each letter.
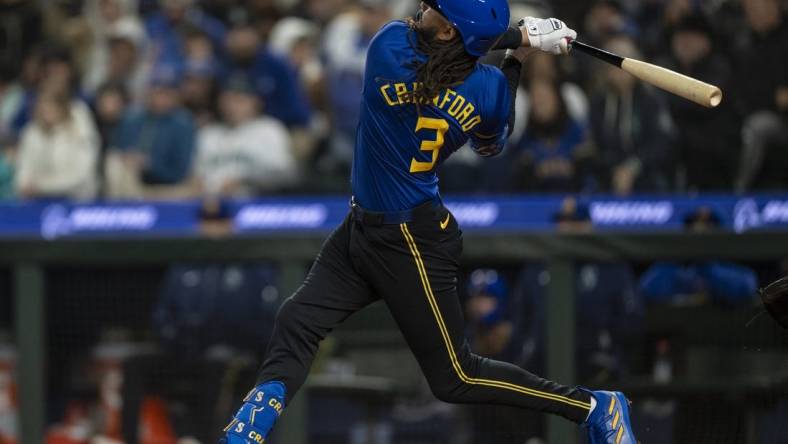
x: 511, y: 67
x: 513, y: 38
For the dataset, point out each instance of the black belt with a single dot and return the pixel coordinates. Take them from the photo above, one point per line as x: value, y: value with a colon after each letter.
x: 366, y: 217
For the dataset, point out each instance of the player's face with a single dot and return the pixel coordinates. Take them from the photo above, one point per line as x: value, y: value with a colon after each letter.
x: 434, y: 24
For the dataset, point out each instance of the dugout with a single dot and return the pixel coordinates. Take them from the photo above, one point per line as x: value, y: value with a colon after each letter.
x: 32, y: 272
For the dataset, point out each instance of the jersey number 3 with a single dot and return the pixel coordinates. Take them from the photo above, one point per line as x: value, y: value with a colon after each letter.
x: 440, y: 126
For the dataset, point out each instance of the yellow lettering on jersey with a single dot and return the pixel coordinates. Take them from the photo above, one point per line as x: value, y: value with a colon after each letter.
x: 471, y: 123
x: 449, y: 94
x: 449, y: 101
x: 402, y: 92
x: 463, y: 116
x: 383, y: 90
x: 456, y: 105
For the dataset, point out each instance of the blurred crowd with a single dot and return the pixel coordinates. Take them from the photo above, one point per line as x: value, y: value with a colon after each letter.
x: 169, y: 99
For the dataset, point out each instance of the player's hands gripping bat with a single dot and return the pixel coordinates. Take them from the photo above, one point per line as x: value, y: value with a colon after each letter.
x: 775, y: 300
x: 550, y: 35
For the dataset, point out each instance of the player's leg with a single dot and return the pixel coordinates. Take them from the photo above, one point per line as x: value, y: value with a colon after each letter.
x: 420, y: 289
x: 332, y: 291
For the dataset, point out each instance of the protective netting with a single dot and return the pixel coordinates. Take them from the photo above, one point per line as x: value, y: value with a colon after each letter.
x: 156, y: 353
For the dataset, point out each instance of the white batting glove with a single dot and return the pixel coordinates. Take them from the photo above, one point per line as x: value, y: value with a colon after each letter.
x: 550, y: 35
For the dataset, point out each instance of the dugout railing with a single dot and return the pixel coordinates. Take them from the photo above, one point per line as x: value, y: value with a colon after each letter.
x: 27, y: 261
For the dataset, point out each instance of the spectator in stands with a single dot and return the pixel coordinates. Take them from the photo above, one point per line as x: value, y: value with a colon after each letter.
x: 323, y: 11
x: 111, y: 23
x: 706, y: 138
x: 551, y: 154
x: 607, y: 18
x: 11, y: 97
x: 274, y: 79
x: 52, y: 70
x: 58, y: 150
x: 110, y: 104
x: 247, y: 153
x: 154, y: 145
x: 21, y: 29
x: 296, y: 40
x: 126, y: 64
x: 7, y: 158
x: 541, y: 66
x: 346, y: 40
x: 166, y: 31
x: 198, y: 89
x: 657, y: 18
x: 632, y: 130
x: 762, y: 96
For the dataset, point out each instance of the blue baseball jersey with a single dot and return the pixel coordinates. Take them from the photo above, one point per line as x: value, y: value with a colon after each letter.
x: 399, y: 144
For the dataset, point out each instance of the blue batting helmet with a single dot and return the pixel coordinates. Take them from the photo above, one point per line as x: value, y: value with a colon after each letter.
x: 480, y: 22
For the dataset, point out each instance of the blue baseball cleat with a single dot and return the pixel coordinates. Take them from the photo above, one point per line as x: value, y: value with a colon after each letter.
x: 609, y: 422
x: 254, y: 420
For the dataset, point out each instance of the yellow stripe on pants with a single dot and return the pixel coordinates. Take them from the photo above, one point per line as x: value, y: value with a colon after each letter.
x: 447, y: 340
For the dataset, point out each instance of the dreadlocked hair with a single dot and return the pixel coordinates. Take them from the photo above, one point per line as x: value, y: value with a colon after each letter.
x: 447, y: 65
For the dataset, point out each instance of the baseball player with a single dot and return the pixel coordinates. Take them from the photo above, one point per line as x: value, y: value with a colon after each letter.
x: 425, y: 95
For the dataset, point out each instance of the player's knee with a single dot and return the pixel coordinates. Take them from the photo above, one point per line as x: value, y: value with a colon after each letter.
x: 450, y: 384
x: 289, y: 315
x: 447, y: 391
x: 448, y: 387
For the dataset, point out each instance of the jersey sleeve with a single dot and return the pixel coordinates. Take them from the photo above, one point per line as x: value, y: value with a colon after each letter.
x: 489, y: 137
x: 385, y: 50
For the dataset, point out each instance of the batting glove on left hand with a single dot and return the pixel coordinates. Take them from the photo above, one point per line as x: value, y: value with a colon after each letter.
x: 550, y: 35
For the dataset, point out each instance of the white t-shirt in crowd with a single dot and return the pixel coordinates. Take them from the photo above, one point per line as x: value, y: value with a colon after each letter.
x: 255, y: 154
x: 61, y: 162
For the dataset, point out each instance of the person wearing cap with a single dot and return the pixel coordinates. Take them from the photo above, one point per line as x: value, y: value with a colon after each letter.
x: 275, y: 80
x: 117, y: 35
x: 155, y: 142
x: 165, y: 30
x: 425, y: 95
x: 247, y: 152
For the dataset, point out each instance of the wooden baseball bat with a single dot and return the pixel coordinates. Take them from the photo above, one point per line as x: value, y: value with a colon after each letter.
x: 671, y: 81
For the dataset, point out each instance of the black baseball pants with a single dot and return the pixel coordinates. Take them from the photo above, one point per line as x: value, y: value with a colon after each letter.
x: 413, y: 267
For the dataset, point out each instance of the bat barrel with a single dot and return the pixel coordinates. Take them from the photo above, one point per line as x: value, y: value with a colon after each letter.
x: 699, y: 92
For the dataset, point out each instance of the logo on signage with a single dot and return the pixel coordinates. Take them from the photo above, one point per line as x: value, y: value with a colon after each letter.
x: 747, y: 215
x: 57, y: 220
x: 631, y: 213
x: 272, y: 217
